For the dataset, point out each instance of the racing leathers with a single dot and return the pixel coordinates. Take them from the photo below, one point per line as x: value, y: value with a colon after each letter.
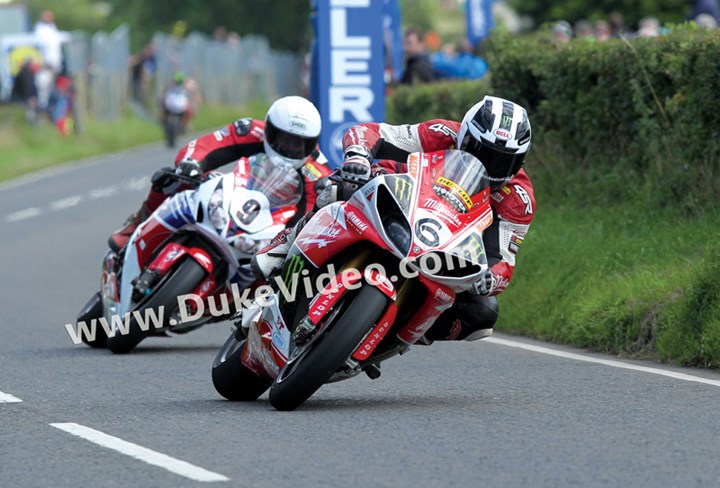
x: 242, y: 138
x: 474, y: 314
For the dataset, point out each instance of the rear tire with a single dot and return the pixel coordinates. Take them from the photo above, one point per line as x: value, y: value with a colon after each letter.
x: 183, y: 280
x: 231, y: 378
x: 330, y: 352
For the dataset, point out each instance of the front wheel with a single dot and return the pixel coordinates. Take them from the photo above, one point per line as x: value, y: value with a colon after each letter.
x: 303, y: 377
x: 231, y: 378
x: 172, y: 128
x: 93, y: 310
x: 162, y: 301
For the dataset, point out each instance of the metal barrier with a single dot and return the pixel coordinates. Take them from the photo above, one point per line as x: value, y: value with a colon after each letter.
x: 227, y: 73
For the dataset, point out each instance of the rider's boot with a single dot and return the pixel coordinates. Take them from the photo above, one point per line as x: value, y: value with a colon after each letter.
x: 120, y: 237
x: 268, y: 261
x: 471, y: 317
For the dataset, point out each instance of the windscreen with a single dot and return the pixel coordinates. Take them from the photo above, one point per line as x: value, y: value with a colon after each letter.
x: 464, y: 176
x: 279, y: 182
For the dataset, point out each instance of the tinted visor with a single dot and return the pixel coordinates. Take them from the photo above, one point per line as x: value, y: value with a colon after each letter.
x: 289, y: 145
x: 501, y: 166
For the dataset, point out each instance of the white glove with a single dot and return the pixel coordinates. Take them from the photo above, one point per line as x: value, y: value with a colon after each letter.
x: 248, y: 246
x: 356, y: 169
x: 485, y: 285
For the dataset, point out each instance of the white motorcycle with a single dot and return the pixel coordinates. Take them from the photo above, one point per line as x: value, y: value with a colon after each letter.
x: 197, y: 243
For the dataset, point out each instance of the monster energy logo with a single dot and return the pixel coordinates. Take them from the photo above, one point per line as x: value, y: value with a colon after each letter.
x: 471, y: 249
x: 401, y: 186
x: 295, y: 266
x: 506, y: 122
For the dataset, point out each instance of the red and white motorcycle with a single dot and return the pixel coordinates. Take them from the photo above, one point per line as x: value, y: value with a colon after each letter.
x: 198, y: 243
x: 384, y: 265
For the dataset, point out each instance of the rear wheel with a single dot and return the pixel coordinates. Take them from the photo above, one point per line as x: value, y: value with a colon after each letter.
x: 231, y: 378
x: 309, y: 369
x: 164, y: 298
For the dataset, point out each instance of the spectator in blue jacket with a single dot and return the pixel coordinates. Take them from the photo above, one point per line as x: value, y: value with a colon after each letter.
x: 458, y: 62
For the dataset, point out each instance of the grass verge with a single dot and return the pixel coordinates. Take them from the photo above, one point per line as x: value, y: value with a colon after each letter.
x: 26, y: 148
x: 622, y: 280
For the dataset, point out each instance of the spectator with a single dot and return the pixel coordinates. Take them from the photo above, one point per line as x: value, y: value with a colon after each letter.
x: 709, y: 7
x: 458, y: 62
x: 602, y: 31
x: 44, y: 79
x: 649, y: 27
x: 562, y: 32
x: 220, y: 34
x: 706, y: 21
x: 24, y: 89
x: 61, y: 104
x: 142, y: 69
x: 233, y: 39
x: 617, y: 25
x: 418, y: 68
x: 195, y: 97
x: 52, y: 39
x: 583, y: 30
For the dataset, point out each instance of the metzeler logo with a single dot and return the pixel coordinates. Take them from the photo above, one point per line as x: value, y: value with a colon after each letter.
x: 350, y: 80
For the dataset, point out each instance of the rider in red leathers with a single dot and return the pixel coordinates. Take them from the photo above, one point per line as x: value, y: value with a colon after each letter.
x: 289, y: 134
x: 498, y: 133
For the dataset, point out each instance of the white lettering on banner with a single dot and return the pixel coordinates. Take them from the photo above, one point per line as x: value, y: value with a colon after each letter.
x: 478, y: 17
x: 350, y: 85
x: 350, y: 3
x: 347, y: 61
x: 357, y: 101
x: 338, y: 28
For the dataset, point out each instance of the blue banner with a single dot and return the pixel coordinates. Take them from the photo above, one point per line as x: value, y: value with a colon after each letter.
x: 394, y: 38
x: 350, y: 68
x: 479, y: 19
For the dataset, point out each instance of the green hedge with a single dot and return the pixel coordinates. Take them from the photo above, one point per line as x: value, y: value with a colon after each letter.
x: 622, y: 255
x: 640, y: 114
x: 446, y: 100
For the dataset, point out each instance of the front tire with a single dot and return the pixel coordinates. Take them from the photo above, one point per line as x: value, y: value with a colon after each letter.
x: 183, y: 280
x: 93, y: 310
x: 292, y: 387
x: 231, y: 378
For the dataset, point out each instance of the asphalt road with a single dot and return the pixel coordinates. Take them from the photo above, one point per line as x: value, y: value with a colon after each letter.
x: 454, y: 414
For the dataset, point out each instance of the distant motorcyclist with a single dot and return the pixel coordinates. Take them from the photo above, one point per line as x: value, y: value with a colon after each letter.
x: 498, y: 133
x: 289, y: 135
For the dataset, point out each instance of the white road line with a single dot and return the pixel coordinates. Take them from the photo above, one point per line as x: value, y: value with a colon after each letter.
x: 605, y: 362
x: 141, y: 453
x: 136, y: 184
x: 8, y: 398
x: 66, y: 202
x: 23, y: 214
x: 102, y: 192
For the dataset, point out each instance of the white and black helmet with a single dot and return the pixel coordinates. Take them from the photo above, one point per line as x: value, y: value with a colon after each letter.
x: 497, y: 132
x: 292, y: 130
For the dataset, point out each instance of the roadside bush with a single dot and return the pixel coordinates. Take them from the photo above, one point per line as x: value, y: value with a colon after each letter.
x: 625, y: 161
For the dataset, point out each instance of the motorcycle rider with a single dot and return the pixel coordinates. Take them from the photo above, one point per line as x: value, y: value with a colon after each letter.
x: 289, y: 134
x: 498, y: 133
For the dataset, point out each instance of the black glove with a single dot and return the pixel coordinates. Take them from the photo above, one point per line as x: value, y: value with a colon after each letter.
x: 163, y: 178
x: 189, y: 168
